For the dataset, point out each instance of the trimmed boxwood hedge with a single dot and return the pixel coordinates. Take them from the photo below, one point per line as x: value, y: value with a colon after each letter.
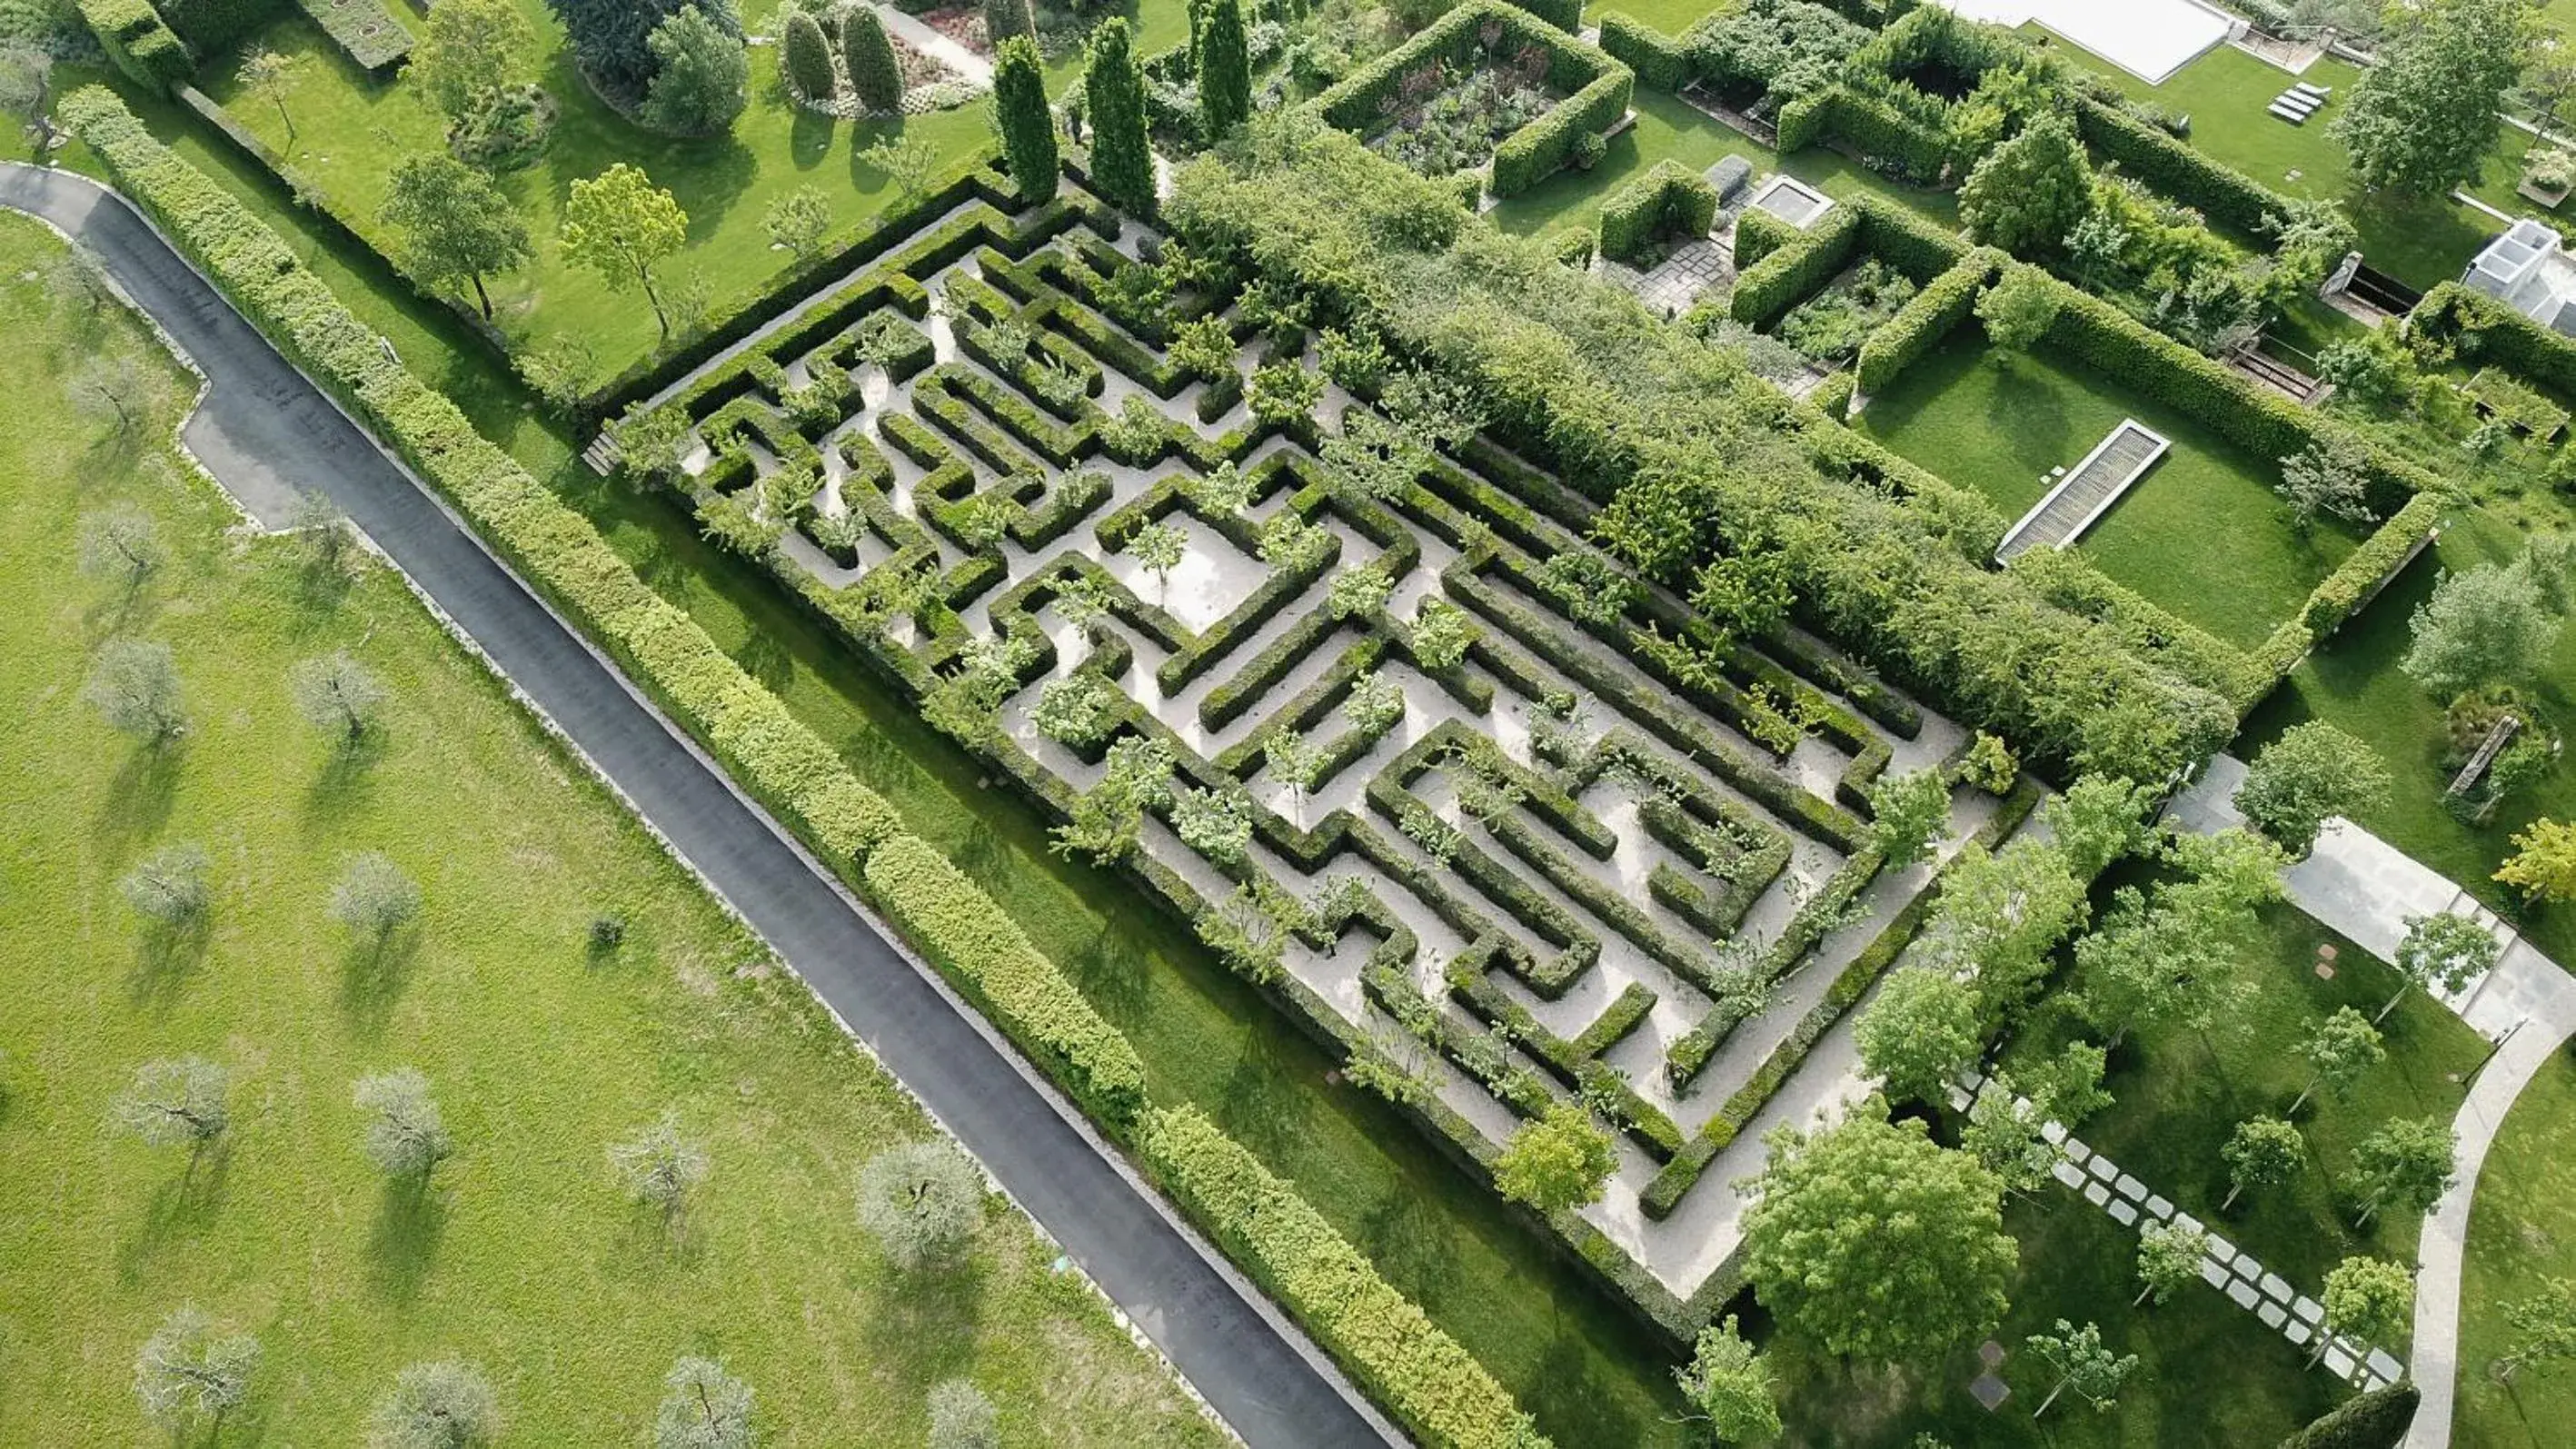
x: 2375, y: 1420
x: 1922, y: 323
x: 139, y: 43
x: 948, y: 918
x: 1434, y: 1387
x: 1539, y: 150
x: 2366, y: 569
x: 1658, y: 59
x: 210, y: 25
x: 2484, y: 328
x: 1669, y: 199
x: 1784, y: 278
x: 2178, y: 170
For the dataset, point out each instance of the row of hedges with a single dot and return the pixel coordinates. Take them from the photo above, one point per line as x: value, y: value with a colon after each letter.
x: 1785, y: 277
x: 1658, y: 59
x: 2487, y: 330
x: 1669, y: 200
x: 1883, y: 137
x: 1540, y: 149
x: 210, y: 25
x: 2178, y: 169
x: 1921, y: 324
x: 139, y: 43
x: 1434, y: 1387
x: 2368, y: 568
x: 950, y: 920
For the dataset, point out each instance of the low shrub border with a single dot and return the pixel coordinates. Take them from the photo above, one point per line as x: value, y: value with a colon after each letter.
x: 1434, y: 1387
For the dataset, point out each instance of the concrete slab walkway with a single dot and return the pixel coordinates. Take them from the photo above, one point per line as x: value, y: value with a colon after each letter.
x: 922, y: 36
x: 2366, y: 888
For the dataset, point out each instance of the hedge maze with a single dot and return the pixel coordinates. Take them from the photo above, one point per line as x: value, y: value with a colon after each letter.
x: 1471, y: 800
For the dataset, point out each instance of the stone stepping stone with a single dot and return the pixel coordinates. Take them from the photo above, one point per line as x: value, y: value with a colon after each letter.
x: 2243, y: 1292
x: 2385, y: 1364
x: 2339, y: 1361
x: 1991, y: 1354
x: 2298, y: 1333
x: 1989, y: 1391
x: 2068, y: 1173
x: 2276, y: 1286
x: 2309, y: 1309
x: 2212, y: 1274
x: 2186, y: 1221
x: 2096, y: 1194
x: 2053, y: 1131
x: 2220, y: 1249
x: 2272, y: 1314
x: 2131, y: 1188
x: 2124, y: 1214
x: 2159, y: 1208
x: 2105, y: 1169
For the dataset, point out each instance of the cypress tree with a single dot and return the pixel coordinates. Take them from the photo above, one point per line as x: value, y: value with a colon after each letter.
x: 1225, y: 69
x: 1122, y: 163
x: 1006, y: 18
x: 1020, y: 114
x: 806, y: 58
x: 874, y: 72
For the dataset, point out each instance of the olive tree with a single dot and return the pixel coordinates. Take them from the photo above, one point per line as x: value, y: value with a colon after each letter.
x: 337, y: 695
x: 374, y: 898
x: 119, y: 545
x: 660, y: 1167
x: 135, y: 688
x: 961, y: 1417
x: 191, y: 1373
x: 446, y: 1404
x: 405, y: 1134
x: 923, y: 1202
x: 168, y: 887
x: 176, y: 1102
x: 703, y: 1407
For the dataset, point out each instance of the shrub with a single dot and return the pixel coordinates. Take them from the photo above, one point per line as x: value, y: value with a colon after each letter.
x: 805, y: 57
x: 1538, y: 150
x: 139, y: 43
x: 2177, y: 170
x: 1658, y: 60
x: 1670, y: 199
x: 2375, y: 1420
x: 1786, y: 277
x: 875, y: 74
x: 1921, y: 324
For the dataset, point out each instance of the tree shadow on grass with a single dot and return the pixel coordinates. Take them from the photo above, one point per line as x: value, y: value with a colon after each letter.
x: 664, y: 571
x: 1251, y: 1101
x: 123, y: 609
x: 164, y: 958
x: 139, y: 797
x: 765, y: 658
x: 373, y: 972
x: 177, y: 1209
x: 1571, y: 1391
x: 1403, y: 1227
x: 711, y: 175
x: 925, y: 1325
x: 1118, y: 982
x: 810, y: 137
x: 347, y: 779
x: 411, y: 1217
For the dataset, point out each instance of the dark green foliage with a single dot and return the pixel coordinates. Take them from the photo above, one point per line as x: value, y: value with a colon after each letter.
x: 210, y: 26
x: 805, y: 57
x: 1658, y: 59
x: 138, y: 43
x: 875, y: 75
x: 1784, y: 278
x: 702, y: 78
x: 1122, y: 159
x: 2482, y: 327
x: 2375, y: 1420
x: 610, y: 38
x: 1004, y: 19
x: 1225, y: 68
x: 1565, y: 15
x: 365, y: 31
x: 1921, y: 324
x: 1540, y: 149
x: 1021, y: 117
x: 1669, y: 200
x: 2178, y: 169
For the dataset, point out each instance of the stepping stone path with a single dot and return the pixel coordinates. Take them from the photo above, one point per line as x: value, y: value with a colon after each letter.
x: 1677, y: 281
x: 2267, y: 1295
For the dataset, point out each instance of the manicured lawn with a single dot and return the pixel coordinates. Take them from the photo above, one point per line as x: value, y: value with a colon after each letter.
x: 2179, y: 1094
x: 2226, y: 93
x: 524, y: 1254
x: 1672, y: 17
x: 351, y: 131
x: 1669, y: 128
x: 2353, y: 681
x: 1558, y: 1343
x: 2522, y: 1228
x: 2201, y: 534
x: 2208, y: 1372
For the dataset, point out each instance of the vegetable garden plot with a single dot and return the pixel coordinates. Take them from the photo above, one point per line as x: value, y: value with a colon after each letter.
x: 1374, y: 717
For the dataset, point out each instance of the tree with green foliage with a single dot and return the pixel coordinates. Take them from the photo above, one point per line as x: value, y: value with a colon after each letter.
x: 1122, y: 156
x: 374, y: 898
x: 1007, y: 20
x: 1557, y: 1162
x: 456, y: 226
x: 469, y: 52
x: 2444, y: 951
x: 876, y: 75
x: 2097, y: 820
x: 907, y: 161
x: 27, y: 91
x: 2312, y: 773
x: 2329, y: 478
x: 2261, y: 1152
x: 2339, y: 1050
x: 2009, y: 1138
x: 1920, y: 1032
x: 622, y: 227
x: 1022, y: 119
x: 1729, y: 1386
x: 805, y: 57
x: 2486, y: 625
x: 2544, y: 1329
x: 168, y: 887
x: 2543, y: 866
x: 135, y: 688
x: 190, y: 1374
x: 2375, y: 1420
x: 444, y: 1404
x: 2068, y: 1086
x: 703, y: 1407
x: 703, y: 79
x: 1907, y: 813
x: 1870, y: 1242
x: 338, y: 696
x: 922, y: 1201
x: 270, y: 75
x: 2019, y: 308
x: 2082, y: 1364
x: 1999, y: 915
x: 2407, y: 1164
x: 1225, y: 68
x: 611, y: 39
x: 2423, y: 120
x: 2169, y: 1257
x: 2366, y: 1299
x: 799, y: 221
x: 2029, y: 192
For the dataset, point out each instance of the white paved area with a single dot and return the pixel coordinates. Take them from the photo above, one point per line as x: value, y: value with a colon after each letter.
x: 922, y: 36
x: 2150, y: 39
x: 2365, y: 888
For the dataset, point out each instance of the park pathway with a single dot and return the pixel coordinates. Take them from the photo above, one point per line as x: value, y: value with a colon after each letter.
x: 264, y: 427
x: 2366, y: 888
x: 922, y: 36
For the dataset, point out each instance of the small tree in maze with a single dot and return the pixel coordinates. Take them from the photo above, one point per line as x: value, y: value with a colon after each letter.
x: 1021, y: 117
x: 2261, y: 1152
x: 1222, y: 492
x: 1204, y: 349
x: 1441, y: 634
x: 1079, y: 711
x: 1557, y: 1162
x: 1359, y: 593
x: 1122, y: 160
x: 876, y: 76
x: 2169, y: 1257
x: 1295, y: 761
x: 1285, y: 391
x: 1107, y: 817
x: 1215, y: 823
x: 1907, y: 813
x: 1225, y: 68
x: 1158, y: 548
x: 2082, y: 1364
x: 1375, y: 703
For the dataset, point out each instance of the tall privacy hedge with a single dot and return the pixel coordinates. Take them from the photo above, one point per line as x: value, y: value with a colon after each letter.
x: 1670, y: 199
x: 1434, y: 1387
x: 138, y: 43
x: 1785, y: 277
x: 2178, y: 169
x: 1921, y: 324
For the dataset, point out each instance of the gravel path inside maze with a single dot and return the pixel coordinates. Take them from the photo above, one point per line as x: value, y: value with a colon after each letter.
x: 1567, y: 866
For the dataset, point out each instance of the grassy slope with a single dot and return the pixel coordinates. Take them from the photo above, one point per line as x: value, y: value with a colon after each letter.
x: 1564, y: 1350
x: 2522, y: 1227
x: 525, y: 1255
x: 2202, y: 533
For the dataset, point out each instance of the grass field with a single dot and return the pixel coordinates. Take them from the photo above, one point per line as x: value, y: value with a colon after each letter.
x: 2201, y: 534
x: 352, y: 130
x: 2522, y: 1228
x: 2179, y: 1093
x: 524, y: 1254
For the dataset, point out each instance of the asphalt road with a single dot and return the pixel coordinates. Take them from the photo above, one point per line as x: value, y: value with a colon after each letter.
x: 270, y: 435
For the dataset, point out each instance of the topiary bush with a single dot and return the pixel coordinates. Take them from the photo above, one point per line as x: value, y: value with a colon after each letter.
x: 2375, y: 1420
x: 876, y: 76
x: 805, y: 58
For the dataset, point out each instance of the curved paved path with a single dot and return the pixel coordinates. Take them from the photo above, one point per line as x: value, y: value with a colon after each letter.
x: 264, y: 427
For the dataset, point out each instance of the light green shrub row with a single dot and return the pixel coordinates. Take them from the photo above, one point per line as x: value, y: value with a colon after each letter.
x: 1539, y: 150
x: 1658, y: 59
x: 1789, y: 275
x: 1669, y: 199
x: 950, y: 919
x: 139, y: 43
x: 1922, y: 323
x: 2366, y: 568
x: 1434, y: 1387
